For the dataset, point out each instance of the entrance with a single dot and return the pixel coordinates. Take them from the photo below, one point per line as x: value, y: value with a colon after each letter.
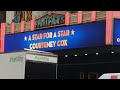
x: 38, y: 70
x: 40, y: 65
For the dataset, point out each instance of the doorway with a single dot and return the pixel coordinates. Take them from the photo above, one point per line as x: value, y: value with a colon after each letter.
x: 40, y: 70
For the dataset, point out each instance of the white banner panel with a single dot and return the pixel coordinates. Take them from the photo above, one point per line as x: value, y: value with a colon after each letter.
x: 12, y: 65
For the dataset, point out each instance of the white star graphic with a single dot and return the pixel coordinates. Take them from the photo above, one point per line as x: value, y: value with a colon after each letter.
x: 72, y: 32
x: 25, y: 38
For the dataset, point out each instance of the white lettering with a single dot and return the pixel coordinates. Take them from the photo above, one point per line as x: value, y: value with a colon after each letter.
x: 118, y: 39
x: 42, y: 45
x: 30, y: 46
x: 50, y: 44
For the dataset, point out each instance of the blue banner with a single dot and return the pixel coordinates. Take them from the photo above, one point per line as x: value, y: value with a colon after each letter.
x: 116, y: 38
x: 67, y: 37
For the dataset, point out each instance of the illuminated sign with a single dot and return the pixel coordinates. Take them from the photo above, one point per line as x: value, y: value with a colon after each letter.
x: 116, y: 38
x: 50, y: 20
x: 75, y: 36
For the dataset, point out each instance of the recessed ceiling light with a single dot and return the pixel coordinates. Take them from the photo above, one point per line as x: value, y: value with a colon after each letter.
x: 66, y: 55
x: 86, y: 54
x: 112, y: 52
x: 75, y: 54
x: 97, y: 53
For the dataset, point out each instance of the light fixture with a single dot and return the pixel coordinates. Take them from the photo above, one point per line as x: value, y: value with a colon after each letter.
x: 75, y: 54
x: 86, y: 54
x: 66, y: 55
x: 112, y: 52
x: 97, y: 53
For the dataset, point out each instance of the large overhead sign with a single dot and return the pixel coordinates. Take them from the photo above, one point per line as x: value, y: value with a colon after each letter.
x: 75, y: 36
x: 116, y: 37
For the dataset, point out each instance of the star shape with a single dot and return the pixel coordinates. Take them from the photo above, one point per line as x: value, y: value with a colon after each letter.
x: 72, y: 32
x: 25, y: 38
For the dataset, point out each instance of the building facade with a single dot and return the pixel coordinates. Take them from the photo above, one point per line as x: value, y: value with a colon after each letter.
x: 75, y: 33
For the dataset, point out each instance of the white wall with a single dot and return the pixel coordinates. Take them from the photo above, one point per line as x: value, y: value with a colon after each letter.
x: 10, y: 69
x: 9, y: 16
x: 37, y: 14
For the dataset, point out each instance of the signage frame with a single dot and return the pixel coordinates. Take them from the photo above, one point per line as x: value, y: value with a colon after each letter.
x: 62, y: 26
x: 45, y: 27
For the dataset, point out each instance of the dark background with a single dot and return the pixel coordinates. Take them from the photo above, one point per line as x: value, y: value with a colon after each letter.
x: 105, y: 62
x: 70, y: 67
x: 38, y: 70
x: 2, y: 17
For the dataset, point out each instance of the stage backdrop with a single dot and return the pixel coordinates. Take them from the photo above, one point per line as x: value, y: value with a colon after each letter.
x: 67, y: 37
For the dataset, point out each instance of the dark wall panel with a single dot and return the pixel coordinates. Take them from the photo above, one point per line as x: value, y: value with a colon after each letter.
x: 40, y: 70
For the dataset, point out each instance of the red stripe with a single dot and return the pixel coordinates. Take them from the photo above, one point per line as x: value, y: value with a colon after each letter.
x: 114, y: 76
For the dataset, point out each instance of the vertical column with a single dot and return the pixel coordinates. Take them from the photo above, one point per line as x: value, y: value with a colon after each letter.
x: 79, y: 17
x: 22, y: 26
x: 109, y: 28
x: 13, y: 28
x: 67, y: 18
x: 3, y: 27
x: 0, y: 40
x: 32, y: 25
x: 93, y: 15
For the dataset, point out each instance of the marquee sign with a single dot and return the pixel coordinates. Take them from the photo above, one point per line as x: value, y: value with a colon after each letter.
x: 116, y: 38
x: 50, y: 20
x: 75, y: 36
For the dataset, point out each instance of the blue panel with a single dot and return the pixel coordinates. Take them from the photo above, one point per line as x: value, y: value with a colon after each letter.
x: 116, y: 38
x: 75, y: 36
